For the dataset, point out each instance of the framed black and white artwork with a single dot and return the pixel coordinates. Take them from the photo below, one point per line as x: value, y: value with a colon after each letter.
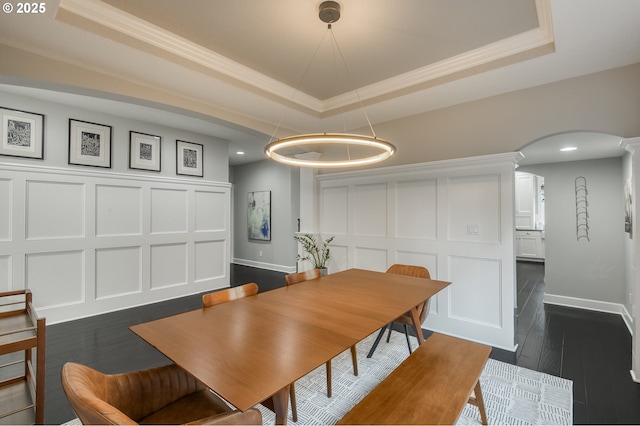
x: 144, y: 151
x: 189, y: 158
x: 89, y: 144
x: 22, y: 133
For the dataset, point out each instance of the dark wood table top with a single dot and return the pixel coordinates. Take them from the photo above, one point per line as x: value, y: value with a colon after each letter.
x: 249, y: 349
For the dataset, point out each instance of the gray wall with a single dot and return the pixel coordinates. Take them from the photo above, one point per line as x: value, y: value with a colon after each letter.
x: 592, y: 270
x: 56, y: 145
x: 605, y: 102
x: 284, y: 184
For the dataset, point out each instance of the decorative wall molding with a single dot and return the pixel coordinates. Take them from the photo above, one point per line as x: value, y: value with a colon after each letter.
x: 87, y: 242
x: 454, y: 217
x: 512, y: 49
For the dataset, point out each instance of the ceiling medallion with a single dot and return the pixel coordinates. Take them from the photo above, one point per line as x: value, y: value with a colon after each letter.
x: 326, y: 150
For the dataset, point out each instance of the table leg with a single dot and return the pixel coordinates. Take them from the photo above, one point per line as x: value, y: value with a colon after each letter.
x: 480, y: 403
x: 281, y: 405
x: 415, y: 315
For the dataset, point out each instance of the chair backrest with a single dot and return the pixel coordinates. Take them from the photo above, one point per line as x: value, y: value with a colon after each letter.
x: 229, y: 294
x: 412, y: 271
x: 299, y: 277
x: 99, y: 398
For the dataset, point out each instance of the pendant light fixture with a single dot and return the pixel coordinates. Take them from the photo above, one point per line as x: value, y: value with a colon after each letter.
x: 321, y: 150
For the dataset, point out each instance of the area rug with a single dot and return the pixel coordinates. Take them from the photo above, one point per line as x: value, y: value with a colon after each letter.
x: 512, y: 395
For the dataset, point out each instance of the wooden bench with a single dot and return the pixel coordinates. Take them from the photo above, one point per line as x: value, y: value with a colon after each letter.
x: 432, y: 386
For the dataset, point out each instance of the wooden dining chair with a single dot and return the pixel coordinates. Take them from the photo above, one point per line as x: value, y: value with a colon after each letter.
x: 310, y: 275
x: 228, y: 294
x: 246, y: 290
x: 405, y: 319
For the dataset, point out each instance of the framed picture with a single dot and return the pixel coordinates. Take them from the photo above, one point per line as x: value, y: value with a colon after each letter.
x: 89, y: 144
x: 259, y: 215
x: 144, y: 151
x: 189, y: 158
x: 22, y: 133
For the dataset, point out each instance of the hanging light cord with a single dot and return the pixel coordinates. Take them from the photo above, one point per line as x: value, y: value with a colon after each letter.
x: 344, y: 62
x: 297, y: 88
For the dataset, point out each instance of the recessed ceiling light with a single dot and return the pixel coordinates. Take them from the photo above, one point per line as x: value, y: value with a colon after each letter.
x: 569, y: 148
x: 240, y: 152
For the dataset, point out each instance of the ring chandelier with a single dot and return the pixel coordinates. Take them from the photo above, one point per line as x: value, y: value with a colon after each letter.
x: 360, y: 150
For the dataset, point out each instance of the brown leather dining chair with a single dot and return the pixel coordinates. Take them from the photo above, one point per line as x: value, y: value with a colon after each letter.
x: 405, y: 319
x: 310, y: 275
x: 246, y: 290
x: 161, y: 395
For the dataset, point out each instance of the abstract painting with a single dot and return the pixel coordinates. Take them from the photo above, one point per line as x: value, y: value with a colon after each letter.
x: 259, y: 215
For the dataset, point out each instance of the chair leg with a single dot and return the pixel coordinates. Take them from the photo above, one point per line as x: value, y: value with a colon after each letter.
x: 389, y: 334
x: 294, y: 406
x: 375, y: 344
x: 354, y: 359
x: 406, y: 334
x: 329, y: 390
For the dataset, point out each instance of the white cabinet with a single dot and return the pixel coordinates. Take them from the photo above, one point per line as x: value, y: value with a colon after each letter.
x: 530, y: 245
x: 529, y: 201
x: 525, y: 201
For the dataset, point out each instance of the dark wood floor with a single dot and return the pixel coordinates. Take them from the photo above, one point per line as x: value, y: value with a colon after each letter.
x: 590, y: 348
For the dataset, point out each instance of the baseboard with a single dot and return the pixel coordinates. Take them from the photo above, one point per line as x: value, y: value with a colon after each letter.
x: 263, y: 265
x: 591, y: 305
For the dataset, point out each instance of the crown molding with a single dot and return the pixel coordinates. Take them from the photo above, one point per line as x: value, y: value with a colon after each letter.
x: 475, y: 60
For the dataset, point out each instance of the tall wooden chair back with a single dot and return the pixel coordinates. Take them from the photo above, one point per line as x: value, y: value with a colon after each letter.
x: 405, y: 320
x: 412, y: 271
x: 299, y: 277
x: 229, y: 294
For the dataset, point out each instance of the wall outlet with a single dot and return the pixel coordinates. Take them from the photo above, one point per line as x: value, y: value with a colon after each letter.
x: 260, y: 253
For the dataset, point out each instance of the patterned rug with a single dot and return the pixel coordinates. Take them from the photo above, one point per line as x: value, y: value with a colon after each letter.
x: 512, y: 395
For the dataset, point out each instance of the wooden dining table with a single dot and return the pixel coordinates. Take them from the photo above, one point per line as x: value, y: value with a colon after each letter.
x: 250, y: 350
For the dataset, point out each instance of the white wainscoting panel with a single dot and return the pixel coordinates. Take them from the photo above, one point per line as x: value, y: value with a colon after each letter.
x: 474, y: 208
x: 475, y: 294
x: 5, y: 272
x: 416, y: 209
x: 56, y: 278
x: 339, y: 259
x: 88, y: 241
x: 210, y: 211
x: 454, y: 217
x: 118, y: 271
x: 335, y: 210
x: 371, y: 258
x: 370, y: 207
x: 118, y: 210
x: 168, y: 210
x: 169, y: 265
x: 5, y: 209
x: 211, y: 260
x: 55, y: 210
